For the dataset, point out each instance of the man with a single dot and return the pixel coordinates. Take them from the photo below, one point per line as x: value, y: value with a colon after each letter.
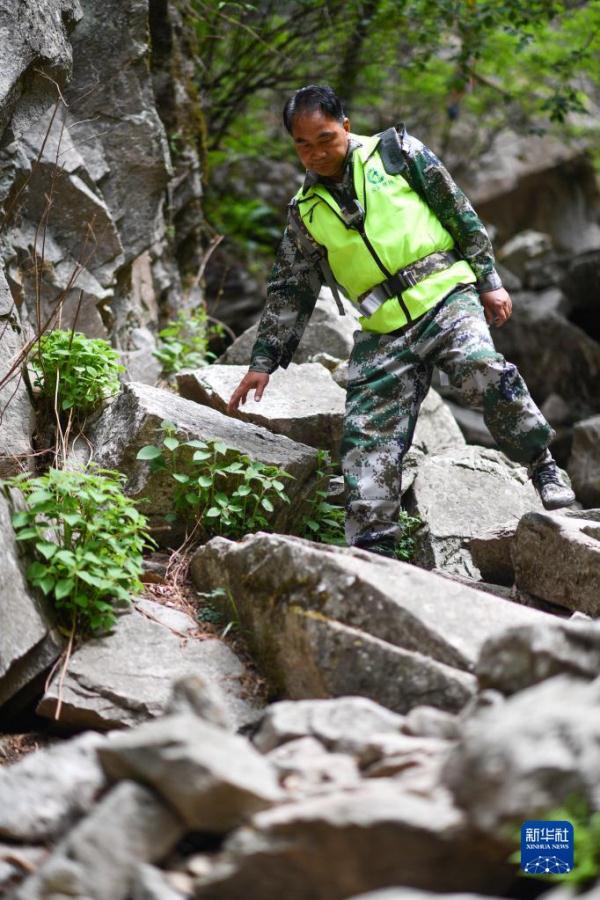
x: 381, y: 217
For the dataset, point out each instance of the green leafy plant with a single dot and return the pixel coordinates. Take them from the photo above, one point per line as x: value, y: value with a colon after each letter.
x: 586, y: 829
x: 184, y: 342
x: 78, y: 371
x: 322, y: 521
x: 87, y: 539
x: 405, y: 548
x: 217, y: 487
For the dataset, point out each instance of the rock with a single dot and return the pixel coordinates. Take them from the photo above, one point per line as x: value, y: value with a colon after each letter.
x: 581, y: 285
x: 427, y: 721
x: 134, y: 420
x: 523, y: 247
x: 401, y: 893
x: 342, y: 724
x: 150, y: 884
x: 303, y: 402
x: 326, y: 621
x: 557, y: 558
x: 553, y: 355
x: 140, y: 363
x: 338, y: 844
x: 107, y: 685
x: 44, y: 793
x: 326, y: 332
x: 471, y: 424
x: 584, y: 464
x: 525, y: 757
x: 556, y: 410
x: 480, y: 488
x: 491, y: 553
x: 306, y: 767
x: 436, y: 428
x: 16, y: 863
x: 15, y: 408
x: 523, y: 656
x: 213, y: 779
x: 100, y: 856
x: 29, y: 643
x: 197, y: 695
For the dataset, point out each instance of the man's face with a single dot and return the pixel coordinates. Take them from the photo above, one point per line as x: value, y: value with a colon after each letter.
x: 321, y: 142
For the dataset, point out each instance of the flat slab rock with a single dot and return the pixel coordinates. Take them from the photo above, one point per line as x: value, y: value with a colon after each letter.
x: 28, y: 643
x: 302, y: 402
x: 584, y: 463
x: 557, y: 558
x: 328, y: 621
x: 461, y: 493
x: 134, y: 420
x: 126, y: 677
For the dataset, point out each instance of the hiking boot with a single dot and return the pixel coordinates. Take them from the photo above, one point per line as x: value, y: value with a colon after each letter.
x: 547, y: 481
x: 382, y: 547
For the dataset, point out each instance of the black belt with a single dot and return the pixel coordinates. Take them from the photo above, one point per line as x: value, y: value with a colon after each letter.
x: 405, y: 278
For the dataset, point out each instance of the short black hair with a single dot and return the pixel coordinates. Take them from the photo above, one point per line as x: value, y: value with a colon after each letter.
x: 311, y: 98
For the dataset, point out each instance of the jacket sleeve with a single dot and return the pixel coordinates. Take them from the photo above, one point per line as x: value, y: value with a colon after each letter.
x: 435, y: 185
x: 292, y: 292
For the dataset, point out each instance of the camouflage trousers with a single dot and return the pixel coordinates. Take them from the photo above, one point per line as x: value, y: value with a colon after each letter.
x: 388, y: 378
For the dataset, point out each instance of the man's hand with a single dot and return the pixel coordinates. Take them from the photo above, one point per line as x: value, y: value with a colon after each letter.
x: 497, y: 306
x: 256, y: 381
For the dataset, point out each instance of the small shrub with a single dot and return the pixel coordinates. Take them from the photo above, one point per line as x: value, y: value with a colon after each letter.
x: 323, y: 521
x: 216, y: 486
x: 184, y: 343
x: 405, y: 548
x: 87, y: 538
x: 80, y: 371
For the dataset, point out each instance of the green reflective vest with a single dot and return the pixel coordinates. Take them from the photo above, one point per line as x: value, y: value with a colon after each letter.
x: 400, y: 227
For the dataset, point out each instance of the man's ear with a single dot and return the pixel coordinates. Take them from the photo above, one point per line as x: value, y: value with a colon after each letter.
x: 346, y: 124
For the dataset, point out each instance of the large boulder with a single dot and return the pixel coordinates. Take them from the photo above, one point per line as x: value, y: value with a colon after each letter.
x: 100, y: 856
x: 461, y: 493
x: 46, y: 792
x: 213, y: 779
x: 347, y: 841
x: 327, y: 621
x: 126, y: 677
x: 302, y: 402
x: 29, y: 643
x: 326, y: 332
x: 584, y: 464
x: 523, y: 758
x: 16, y: 411
x: 557, y: 558
x: 134, y: 420
x: 522, y: 656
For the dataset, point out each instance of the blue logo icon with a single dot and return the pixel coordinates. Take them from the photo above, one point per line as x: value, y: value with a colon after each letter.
x: 547, y: 847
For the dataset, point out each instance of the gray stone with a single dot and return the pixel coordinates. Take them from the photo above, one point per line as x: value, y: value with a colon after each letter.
x: 140, y: 363
x: 134, y: 420
x: 16, y: 863
x: 460, y: 493
x: 44, y: 793
x: 28, y: 642
x: 338, y: 844
x: 414, y: 761
x: 557, y: 558
x: 16, y: 412
x: 402, y: 893
x: 151, y: 884
x: 523, y: 656
x: 491, y: 553
x: 213, y: 779
x: 100, y: 856
x: 108, y: 686
x: 471, y: 424
x: 323, y: 620
x: 197, y: 695
x: 306, y: 767
x: 523, y: 247
x: 584, y: 463
x: 326, y: 332
x: 524, y: 757
x: 427, y: 721
x: 302, y: 402
x: 342, y: 724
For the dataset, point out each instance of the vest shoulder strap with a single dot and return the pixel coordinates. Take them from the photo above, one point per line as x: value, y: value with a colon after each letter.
x: 316, y: 253
x: 391, y: 152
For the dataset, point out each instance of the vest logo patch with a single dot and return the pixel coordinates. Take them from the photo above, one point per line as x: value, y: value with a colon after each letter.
x: 376, y: 178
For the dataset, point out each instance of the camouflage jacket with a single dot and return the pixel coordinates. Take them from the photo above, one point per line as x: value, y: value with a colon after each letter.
x: 295, y: 282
